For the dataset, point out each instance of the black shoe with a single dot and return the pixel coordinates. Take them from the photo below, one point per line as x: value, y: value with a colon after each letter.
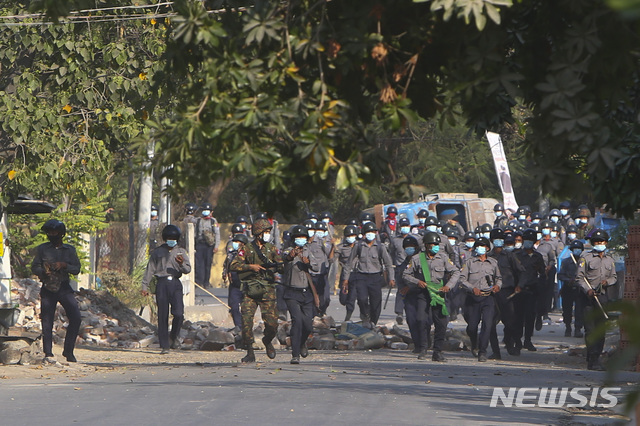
x: 399, y: 319
x: 69, y: 356
x: 271, y: 351
x: 482, y: 358
x: 295, y: 360
x: 595, y: 366
x: 164, y: 351
x: 438, y: 357
x: 538, y: 322
x: 495, y: 355
x: 517, y: 344
x: 249, y: 357
x: 529, y: 346
x: 416, y: 350
x: 304, y: 351
x: 578, y: 333
x: 512, y: 350
x: 474, y: 352
x: 567, y: 332
x: 348, y: 316
x: 175, y: 343
x: 423, y: 355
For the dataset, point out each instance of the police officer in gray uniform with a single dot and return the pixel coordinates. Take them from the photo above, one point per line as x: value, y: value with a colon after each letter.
x: 322, y: 250
x: 597, y: 272
x: 207, y: 240
x: 369, y: 261
x: 299, y: 292
x: 481, y: 276
x: 425, y: 291
x: 398, y: 256
x: 347, y: 298
x: 547, y: 248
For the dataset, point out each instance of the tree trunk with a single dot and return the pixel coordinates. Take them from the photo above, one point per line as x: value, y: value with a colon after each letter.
x: 215, y: 189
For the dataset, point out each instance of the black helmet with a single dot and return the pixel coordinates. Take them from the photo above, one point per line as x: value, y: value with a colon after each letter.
x: 485, y: 227
x: 572, y: 229
x: 171, y: 232
x: 451, y: 233
x: 430, y: 220
x: 446, y: 227
x: 190, y: 208
x: 556, y: 227
x: 366, y: 216
x: 236, y: 228
x: 261, y: 215
x: 410, y: 241
x: 530, y: 235
x: 241, y: 238
x: 423, y: 213
x: 242, y: 219
x: 514, y: 224
x: 286, y: 236
x: 54, y: 225
x: 536, y: 215
x: 482, y: 241
x: 431, y: 238
x: 309, y: 224
x: 325, y: 215
x: 545, y: 223
x: 206, y: 206
x: 350, y: 230
x: 299, y: 231
x: 320, y: 226
x: 521, y: 228
x: 469, y: 235
x: 555, y: 212
x: 392, y: 209
x: 312, y: 215
x: 369, y: 227
x: 154, y: 207
x: 598, y: 235
x: 522, y: 211
x: 497, y: 234
x: 403, y: 221
x: 536, y: 227
x: 565, y: 205
x: 498, y: 208
x: 352, y: 221
x: 576, y: 244
x: 509, y: 239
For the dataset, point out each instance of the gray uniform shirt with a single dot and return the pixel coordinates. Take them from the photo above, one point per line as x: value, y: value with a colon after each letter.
x: 595, y: 269
x: 369, y: 259
x: 162, y: 263
x: 475, y: 272
x: 296, y: 271
x: 207, y: 224
x: 320, y: 250
x: 548, y: 252
x: 344, y: 251
x: 439, y: 266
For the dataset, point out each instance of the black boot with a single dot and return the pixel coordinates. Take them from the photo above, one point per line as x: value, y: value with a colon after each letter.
x: 567, y: 331
x: 348, y: 316
x: 271, y: 351
x: 250, y: 357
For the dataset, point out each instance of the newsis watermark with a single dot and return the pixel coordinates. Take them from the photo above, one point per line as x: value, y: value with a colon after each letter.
x: 600, y: 397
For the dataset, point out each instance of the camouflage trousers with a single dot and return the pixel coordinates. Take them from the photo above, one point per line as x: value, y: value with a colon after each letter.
x: 267, y: 310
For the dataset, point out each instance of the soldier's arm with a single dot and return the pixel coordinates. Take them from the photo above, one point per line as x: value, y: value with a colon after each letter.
x: 454, y: 274
x: 239, y: 263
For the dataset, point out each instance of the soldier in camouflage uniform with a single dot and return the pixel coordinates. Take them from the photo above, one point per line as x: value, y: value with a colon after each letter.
x: 253, y: 269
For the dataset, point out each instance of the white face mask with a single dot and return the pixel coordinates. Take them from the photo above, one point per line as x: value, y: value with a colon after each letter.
x: 326, y: 220
x: 572, y: 236
x: 415, y: 231
x: 266, y: 237
x: 469, y: 244
x: 320, y: 234
x: 518, y: 245
x: 487, y: 235
x: 370, y: 236
x: 522, y: 217
x: 453, y: 241
x: 536, y: 220
x: 154, y: 212
x: 422, y: 220
x: 313, y: 220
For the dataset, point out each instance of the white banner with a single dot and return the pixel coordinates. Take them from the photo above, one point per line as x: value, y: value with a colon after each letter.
x: 502, y: 170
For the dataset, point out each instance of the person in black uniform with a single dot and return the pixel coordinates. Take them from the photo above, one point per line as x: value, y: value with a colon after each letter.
x: 299, y: 291
x: 510, y: 270
x: 238, y: 240
x: 53, y: 263
x: 596, y: 272
x: 426, y: 299
x: 532, y: 281
x: 167, y: 263
x: 501, y: 218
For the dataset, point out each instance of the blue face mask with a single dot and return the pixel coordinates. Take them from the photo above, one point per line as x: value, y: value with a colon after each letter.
x: 480, y: 250
x: 235, y: 245
x: 405, y: 230
x: 311, y: 233
x: 554, y: 234
x: 320, y: 234
x: 410, y: 251
x: 576, y: 252
x: 498, y: 214
x: 435, y: 249
x: 600, y: 247
x: 572, y: 236
x: 432, y: 228
x: 350, y: 239
x: 498, y: 243
x: 469, y: 243
x: 206, y: 212
x: 172, y: 243
x: 546, y: 231
x: 300, y: 241
x: 555, y: 219
x: 370, y: 236
x: 509, y: 248
x: 527, y: 244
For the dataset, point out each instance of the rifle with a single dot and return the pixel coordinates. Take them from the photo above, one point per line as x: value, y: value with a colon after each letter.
x: 248, y: 207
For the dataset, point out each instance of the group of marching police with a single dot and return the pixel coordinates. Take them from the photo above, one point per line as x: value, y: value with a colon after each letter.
x: 501, y: 272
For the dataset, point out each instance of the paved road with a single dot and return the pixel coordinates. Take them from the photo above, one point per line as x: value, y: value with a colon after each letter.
x: 380, y: 387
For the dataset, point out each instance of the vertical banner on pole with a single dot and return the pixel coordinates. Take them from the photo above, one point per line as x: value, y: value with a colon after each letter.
x: 502, y: 170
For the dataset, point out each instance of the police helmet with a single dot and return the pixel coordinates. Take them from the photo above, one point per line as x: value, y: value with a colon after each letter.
x: 509, y: 239
x: 572, y: 229
x: 325, y: 215
x: 309, y: 224
x: 171, y: 232
x: 352, y: 221
x: 320, y: 226
x: 452, y: 233
x: 190, y: 208
x: 555, y: 212
x: 350, y: 230
x: 497, y: 234
x: 545, y: 223
x: 446, y: 227
x: 312, y: 215
x: 598, y: 235
x: 240, y: 238
x: 261, y: 215
x: 423, y: 213
x: 536, y: 216
x: 565, y: 205
x: 236, y: 228
x: 576, y: 244
x: 410, y: 241
x: 369, y: 227
x: 403, y: 221
x: 469, y: 235
x: 536, y: 227
x: 482, y: 241
x: 498, y: 208
x: 54, y: 225
x: 556, y: 227
x: 431, y: 238
x: 530, y: 235
x: 206, y: 206
x: 299, y: 231
x: 242, y: 219
x: 392, y: 209
x: 430, y: 220
x: 485, y: 227
x: 366, y: 217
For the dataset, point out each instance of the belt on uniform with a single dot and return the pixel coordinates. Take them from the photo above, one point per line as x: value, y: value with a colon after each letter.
x: 302, y: 290
x: 167, y: 278
x: 369, y: 273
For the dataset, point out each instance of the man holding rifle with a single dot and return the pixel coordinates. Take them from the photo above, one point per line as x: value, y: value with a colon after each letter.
x: 596, y: 272
x: 256, y: 265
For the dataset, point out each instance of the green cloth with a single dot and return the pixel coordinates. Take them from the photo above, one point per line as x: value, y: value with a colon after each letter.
x: 436, y: 296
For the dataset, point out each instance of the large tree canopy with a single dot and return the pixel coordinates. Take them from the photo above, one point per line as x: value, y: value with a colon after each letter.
x: 286, y: 91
